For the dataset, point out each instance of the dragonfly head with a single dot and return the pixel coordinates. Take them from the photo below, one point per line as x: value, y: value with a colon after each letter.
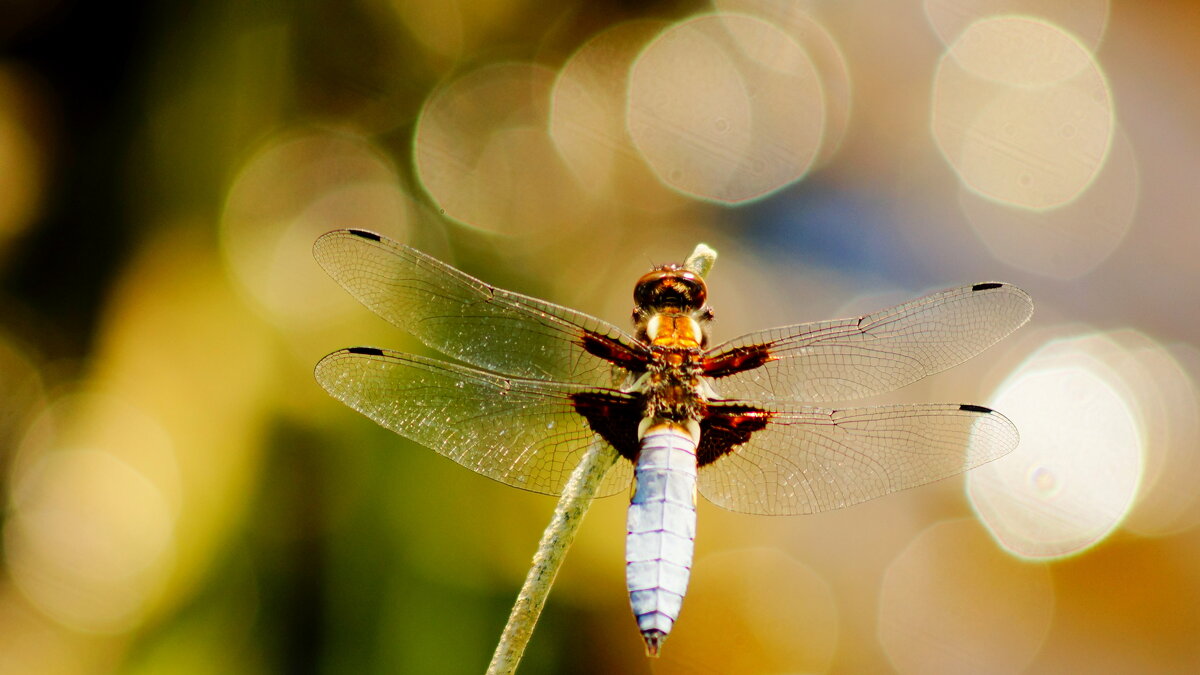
x: 676, y: 294
x: 670, y: 288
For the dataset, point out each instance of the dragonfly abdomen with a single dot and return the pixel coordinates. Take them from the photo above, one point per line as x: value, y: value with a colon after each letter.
x: 660, y: 529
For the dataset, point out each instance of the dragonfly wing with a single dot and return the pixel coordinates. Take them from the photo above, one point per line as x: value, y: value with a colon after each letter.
x: 463, y: 317
x: 845, y: 359
x: 524, y: 433
x: 814, y: 459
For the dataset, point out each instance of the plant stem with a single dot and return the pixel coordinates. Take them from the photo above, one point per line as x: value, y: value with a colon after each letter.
x: 551, y: 552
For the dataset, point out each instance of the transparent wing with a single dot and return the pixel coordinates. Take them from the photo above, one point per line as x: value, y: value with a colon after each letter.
x: 845, y: 359
x: 523, y: 433
x: 465, y: 318
x: 815, y: 459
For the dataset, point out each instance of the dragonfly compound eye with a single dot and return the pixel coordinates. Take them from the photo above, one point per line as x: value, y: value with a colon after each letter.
x: 670, y: 286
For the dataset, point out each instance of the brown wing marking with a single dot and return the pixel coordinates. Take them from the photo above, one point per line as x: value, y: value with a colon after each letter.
x: 629, y: 357
x: 614, y: 416
x: 737, y: 360
x: 726, y: 427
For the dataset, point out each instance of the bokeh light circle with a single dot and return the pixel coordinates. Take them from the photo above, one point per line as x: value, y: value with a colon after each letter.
x: 1019, y: 51
x: 726, y: 107
x: 1169, y: 406
x: 951, y: 602
x: 1076, y: 473
x: 1086, y: 19
x: 1069, y: 241
x: 1033, y: 133
x: 484, y: 154
x: 587, y: 120
x: 826, y: 55
x: 87, y: 539
x: 298, y: 185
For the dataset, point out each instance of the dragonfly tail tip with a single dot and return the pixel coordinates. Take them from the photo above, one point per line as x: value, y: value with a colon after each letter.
x: 654, y: 639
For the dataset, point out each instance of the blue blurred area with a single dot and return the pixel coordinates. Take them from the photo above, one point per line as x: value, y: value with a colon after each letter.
x: 823, y: 224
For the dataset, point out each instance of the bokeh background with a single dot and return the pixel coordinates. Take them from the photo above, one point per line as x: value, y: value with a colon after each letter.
x: 181, y: 497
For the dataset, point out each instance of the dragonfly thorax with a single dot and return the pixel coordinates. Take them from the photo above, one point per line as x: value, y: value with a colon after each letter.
x: 675, y: 330
x: 674, y: 388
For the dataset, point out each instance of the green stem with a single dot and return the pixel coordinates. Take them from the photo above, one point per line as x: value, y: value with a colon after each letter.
x: 551, y: 552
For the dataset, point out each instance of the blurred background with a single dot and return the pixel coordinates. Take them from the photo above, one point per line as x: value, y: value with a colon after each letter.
x: 183, y: 498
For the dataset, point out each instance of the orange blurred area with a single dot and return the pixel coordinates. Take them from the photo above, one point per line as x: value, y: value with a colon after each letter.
x: 181, y: 496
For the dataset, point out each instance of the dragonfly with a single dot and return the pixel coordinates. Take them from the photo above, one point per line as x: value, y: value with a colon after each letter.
x: 740, y: 422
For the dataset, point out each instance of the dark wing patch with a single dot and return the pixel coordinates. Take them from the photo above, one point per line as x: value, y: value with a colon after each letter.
x: 737, y: 360
x: 366, y: 351
x: 366, y: 235
x: 613, y: 415
x: 726, y: 427
x: 970, y: 407
x: 632, y: 357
